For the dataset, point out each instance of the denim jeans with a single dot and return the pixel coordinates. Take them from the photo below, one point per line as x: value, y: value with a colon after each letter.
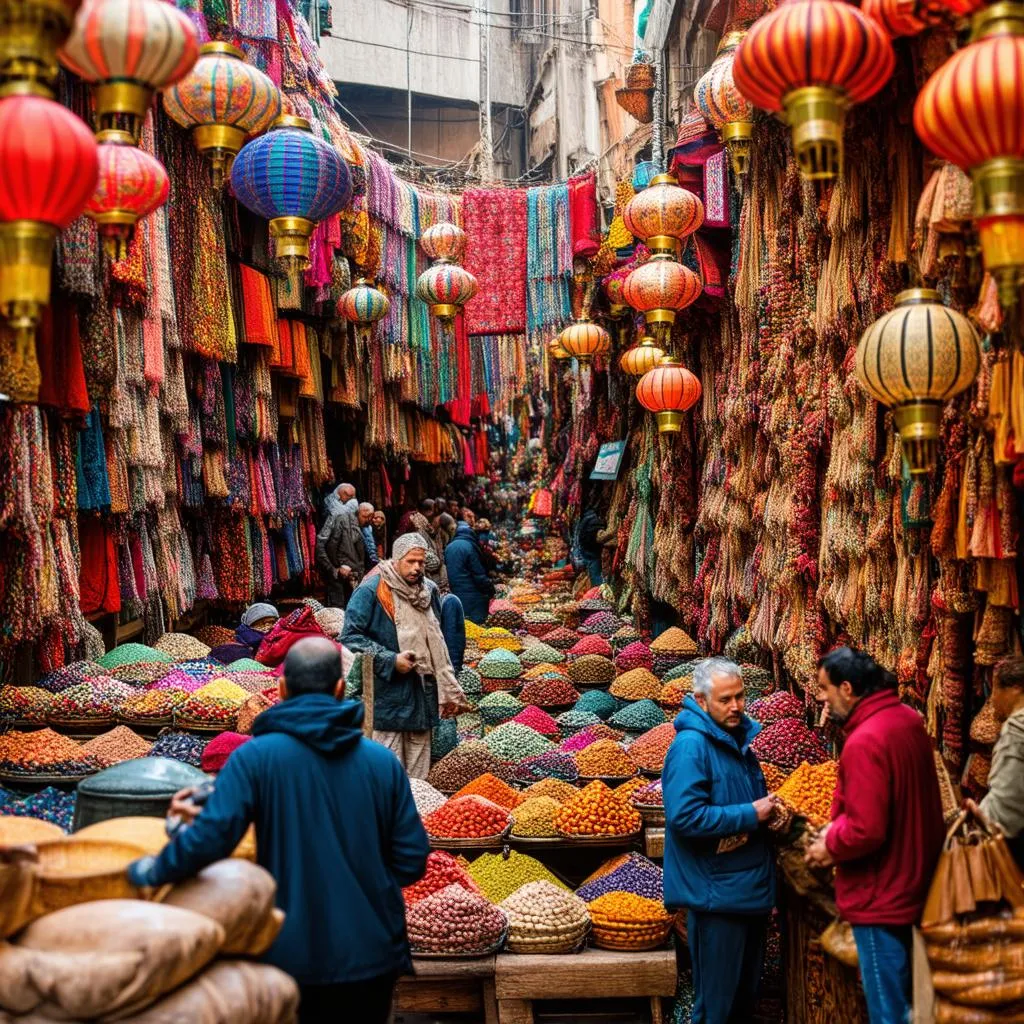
x: 593, y: 565
x: 884, y: 954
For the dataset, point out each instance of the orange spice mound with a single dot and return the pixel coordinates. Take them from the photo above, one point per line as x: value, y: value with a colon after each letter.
x: 636, y: 684
x: 650, y: 749
x: 773, y: 776
x: 557, y: 789
x: 809, y: 791
x: 626, y: 789
x: 493, y: 789
x: 597, y: 811
x: 605, y: 758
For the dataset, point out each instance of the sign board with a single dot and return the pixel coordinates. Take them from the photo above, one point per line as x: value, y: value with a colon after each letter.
x: 609, y: 459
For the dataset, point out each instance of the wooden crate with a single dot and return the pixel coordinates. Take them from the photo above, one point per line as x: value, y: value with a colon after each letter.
x: 450, y: 986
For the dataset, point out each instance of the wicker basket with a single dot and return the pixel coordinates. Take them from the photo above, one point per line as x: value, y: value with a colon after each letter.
x: 76, y: 870
x: 640, y: 76
x: 22, y: 831
x: 550, y: 940
x: 630, y: 938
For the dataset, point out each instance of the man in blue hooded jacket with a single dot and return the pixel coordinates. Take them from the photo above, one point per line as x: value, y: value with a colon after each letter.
x: 337, y: 828
x: 467, y: 575
x: 718, y: 865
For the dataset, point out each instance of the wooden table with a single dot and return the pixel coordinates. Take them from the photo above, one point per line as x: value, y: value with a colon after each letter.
x: 519, y: 979
x: 450, y: 986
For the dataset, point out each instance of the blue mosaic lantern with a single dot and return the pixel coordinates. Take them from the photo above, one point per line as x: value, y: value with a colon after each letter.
x: 294, y: 179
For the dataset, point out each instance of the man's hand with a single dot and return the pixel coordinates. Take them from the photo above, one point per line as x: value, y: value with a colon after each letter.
x: 818, y: 855
x: 764, y: 808
x: 182, y: 806
x: 345, y: 572
x: 405, y: 662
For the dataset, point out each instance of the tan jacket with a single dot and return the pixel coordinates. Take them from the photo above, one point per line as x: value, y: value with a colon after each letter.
x: 1004, y: 804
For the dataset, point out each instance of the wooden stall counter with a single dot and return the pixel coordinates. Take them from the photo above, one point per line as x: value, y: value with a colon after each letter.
x: 450, y: 986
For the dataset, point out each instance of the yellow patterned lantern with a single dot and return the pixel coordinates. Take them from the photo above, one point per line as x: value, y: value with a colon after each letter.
x: 223, y: 99
x: 970, y: 112
x: 724, y: 107
x: 641, y: 358
x: 663, y: 214
x: 913, y: 360
x: 584, y: 340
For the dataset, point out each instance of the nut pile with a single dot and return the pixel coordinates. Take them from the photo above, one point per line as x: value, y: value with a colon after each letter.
x: 557, y: 789
x: 634, y: 655
x: 776, y: 706
x: 43, y: 752
x: 591, y: 645
x: 491, y: 788
x: 465, y: 763
x: 96, y: 700
x: 29, y: 704
x: 442, y: 870
x: 535, y: 818
x: 674, y: 641
x: 632, y: 873
x: 787, y: 743
x: 650, y: 795
x: 650, y: 749
x: 117, y: 745
x: 151, y: 706
x: 560, y: 638
x: 512, y: 742
x: 809, y: 791
x: 180, y: 746
x: 426, y: 798
x: 454, y: 921
x: 549, y: 692
x: 605, y: 759
x: 538, y: 720
x: 499, y: 707
x: 541, y: 654
x: 674, y: 692
x: 181, y: 646
x: 499, y: 874
x: 592, y: 670
x: 638, y: 716
x: 555, y: 764
x: 596, y: 811
x: 636, y: 684
x: 622, y: 638
x: 542, y: 916
x: 467, y: 817
x: 216, y: 703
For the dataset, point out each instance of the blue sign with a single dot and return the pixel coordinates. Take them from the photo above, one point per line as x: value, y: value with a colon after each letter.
x: 609, y: 459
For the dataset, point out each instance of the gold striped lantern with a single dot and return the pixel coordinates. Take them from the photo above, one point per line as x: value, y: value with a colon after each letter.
x: 724, y: 107
x: 444, y: 241
x: 913, y: 359
x: 668, y: 391
x: 585, y: 341
x: 642, y: 358
x: 661, y: 288
x: 971, y: 112
x: 811, y: 60
x: 663, y: 214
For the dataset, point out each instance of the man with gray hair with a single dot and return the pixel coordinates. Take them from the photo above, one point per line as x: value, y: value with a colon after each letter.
x: 395, y: 617
x: 341, y: 552
x: 718, y: 865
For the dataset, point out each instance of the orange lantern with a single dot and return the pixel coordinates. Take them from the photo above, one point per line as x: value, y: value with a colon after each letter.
x: 663, y: 214
x: 556, y: 351
x: 668, y: 391
x: 970, y: 112
x: 724, y: 107
x: 897, y: 17
x: 584, y: 340
x: 661, y: 288
x: 811, y: 59
x: 642, y: 358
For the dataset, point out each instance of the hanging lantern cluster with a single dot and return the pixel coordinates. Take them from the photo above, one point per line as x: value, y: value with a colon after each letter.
x: 222, y: 100
x: 642, y: 358
x: 810, y: 60
x: 970, y: 112
x: 661, y: 288
x: 913, y: 360
x: 128, y: 50
x: 724, y: 107
x: 909, y: 17
x: 668, y: 390
x: 445, y: 285
x: 294, y: 179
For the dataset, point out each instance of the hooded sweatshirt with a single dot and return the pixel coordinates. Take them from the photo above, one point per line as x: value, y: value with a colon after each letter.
x: 1004, y: 803
x: 335, y: 825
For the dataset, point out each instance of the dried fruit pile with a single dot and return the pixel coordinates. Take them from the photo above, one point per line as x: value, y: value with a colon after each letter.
x: 636, y: 684
x: 674, y: 641
x: 549, y: 692
x: 454, y: 921
x: 498, y: 639
x: 574, y: 720
x: 442, y: 870
x: 544, y: 918
x: 70, y: 675
x: 596, y: 811
x: 130, y: 654
x: 491, y: 788
x: 178, y: 679
x: 557, y: 789
x: 117, y: 745
x: 466, y: 762
x: 787, y: 743
x: 181, y: 646
x: 535, y: 818
x: 673, y: 693
x: 623, y: 920
x: 499, y: 875
x: 49, y: 804
x: 625, y: 636
x: 650, y: 749
x: 467, y: 817
x: 541, y: 654
x: 776, y: 706
x: 605, y: 759
x: 43, y: 752
x: 603, y: 624
x: 631, y: 873
x: 538, y: 720
x: 773, y: 776
x: 810, y: 789
x: 181, y: 746
x: 648, y: 796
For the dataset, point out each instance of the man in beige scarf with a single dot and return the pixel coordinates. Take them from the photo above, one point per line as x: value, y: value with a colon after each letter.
x: 394, y: 617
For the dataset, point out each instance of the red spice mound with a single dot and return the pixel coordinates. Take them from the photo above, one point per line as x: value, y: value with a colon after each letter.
x: 467, y: 817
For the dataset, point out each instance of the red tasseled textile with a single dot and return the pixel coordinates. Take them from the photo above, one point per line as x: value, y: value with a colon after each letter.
x: 99, y: 588
x: 220, y: 748
x: 258, y: 303
x: 584, y: 222
x: 460, y: 408
x: 59, y: 350
x: 285, y: 632
x: 284, y: 359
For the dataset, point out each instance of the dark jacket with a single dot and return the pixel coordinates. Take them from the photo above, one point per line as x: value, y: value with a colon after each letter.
x: 467, y: 575
x: 453, y: 625
x: 340, y: 542
x: 590, y: 526
x: 887, y: 825
x: 710, y: 782
x: 401, y: 702
x: 335, y: 825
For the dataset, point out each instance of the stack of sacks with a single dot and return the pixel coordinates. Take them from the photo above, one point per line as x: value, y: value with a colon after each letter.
x: 154, y: 963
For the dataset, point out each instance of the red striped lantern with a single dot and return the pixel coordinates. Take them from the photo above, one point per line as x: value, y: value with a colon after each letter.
x: 661, y: 288
x: 447, y: 287
x: 48, y: 168
x: 971, y: 112
x: 128, y: 49
x: 663, y: 214
x: 444, y: 242
x: 668, y: 391
x: 812, y: 59
x: 897, y: 17
x: 131, y: 185
x: 584, y: 340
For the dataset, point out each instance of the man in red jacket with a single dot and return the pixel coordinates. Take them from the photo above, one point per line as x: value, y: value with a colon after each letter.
x: 886, y: 830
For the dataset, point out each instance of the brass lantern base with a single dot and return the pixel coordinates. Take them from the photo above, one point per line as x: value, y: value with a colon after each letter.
x: 662, y: 244
x: 918, y: 424
x: 816, y: 115
x: 116, y: 228
x: 669, y: 422
x: 999, y: 209
x: 291, y: 241
x: 738, y: 139
x: 660, y: 316
x: 617, y: 310
x: 445, y: 310
x: 31, y: 31
x: 220, y: 143
x: 122, y: 106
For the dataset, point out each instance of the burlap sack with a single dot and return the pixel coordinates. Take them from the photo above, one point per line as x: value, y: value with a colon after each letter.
x: 239, y: 896
x: 17, y: 888
x: 107, y: 959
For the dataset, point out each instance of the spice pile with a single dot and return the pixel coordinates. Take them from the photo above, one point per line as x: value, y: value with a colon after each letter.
x: 215, y: 704
x: 538, y: 720
x: 117, y: 745
x: 467, y: 817
x: 638, y: 716
x: 512, y: 742
x: 776, y: 706
x: 544, y: 918
x: 44, y: 752
x: 181, y: 746
x: 809, y: 791
x: 596, y: 811
x: 787, y: 743
x: 491, y: 788
x: 425, y: 797
x: 535, y: 818
x: 94, y: 701
x: 453, y: 921
x: 622, y: 920
x: 153, y: 707
x: 636, y: 684
x: 557, y: 789
x: 630, y: 873
x: 499, y: 875
x: 550, y: 691
x: 605, y: 759
x: 442, y: 870
x: 555, y: 764
x: 465, y: 763
x: 648, y: 752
